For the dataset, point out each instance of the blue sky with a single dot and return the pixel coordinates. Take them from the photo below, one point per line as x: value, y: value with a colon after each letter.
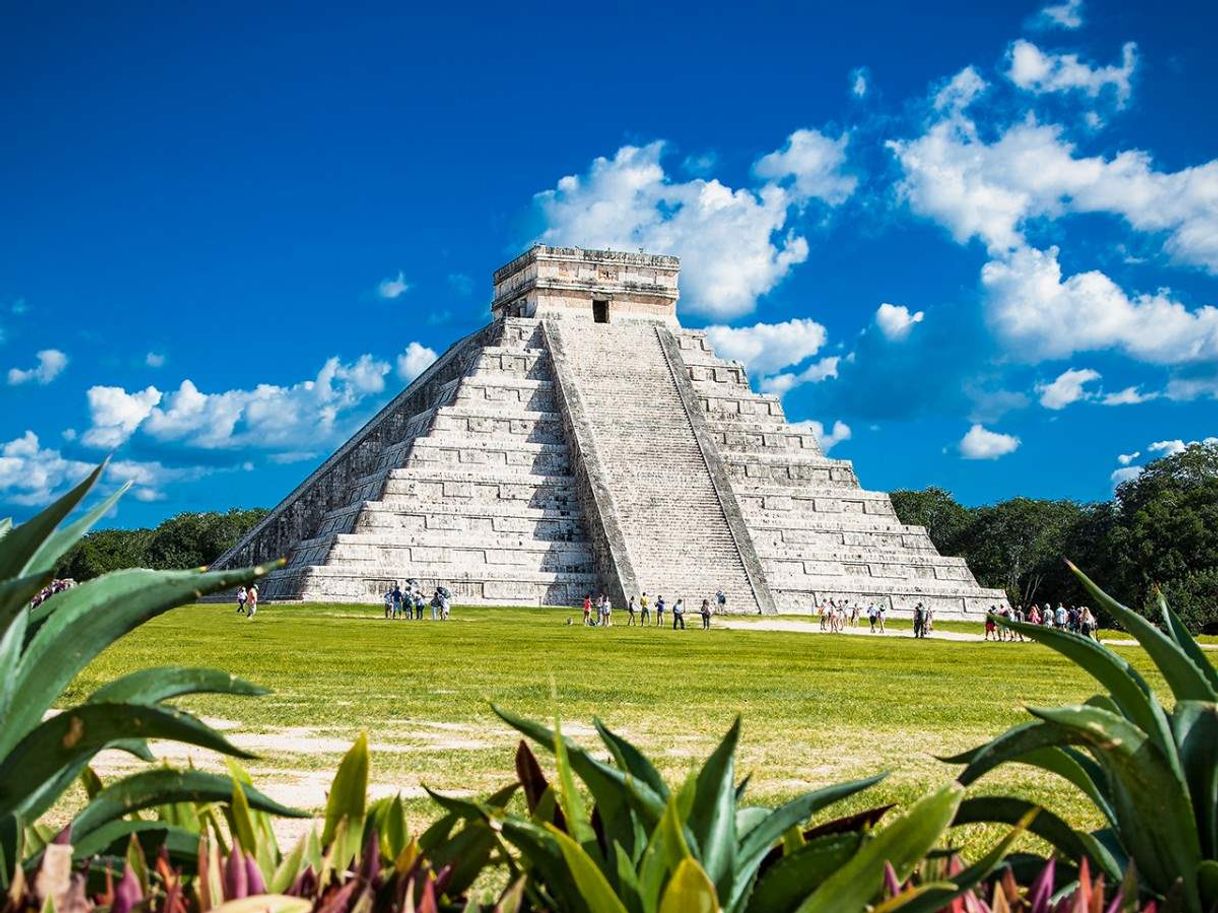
x: 977, y: 248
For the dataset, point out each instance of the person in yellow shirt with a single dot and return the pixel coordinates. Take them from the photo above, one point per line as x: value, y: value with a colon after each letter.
x: 644, y: 610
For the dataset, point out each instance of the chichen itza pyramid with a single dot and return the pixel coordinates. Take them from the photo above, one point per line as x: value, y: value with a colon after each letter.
x: 585, y: 441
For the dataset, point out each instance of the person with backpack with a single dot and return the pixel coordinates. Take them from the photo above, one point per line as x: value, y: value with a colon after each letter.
x: 721, y: 602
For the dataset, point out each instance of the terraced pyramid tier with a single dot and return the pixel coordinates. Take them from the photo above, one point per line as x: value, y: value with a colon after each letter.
x: 584, y: 442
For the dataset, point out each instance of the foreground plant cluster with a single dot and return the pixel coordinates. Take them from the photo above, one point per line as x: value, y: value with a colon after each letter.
x: 602, y: 832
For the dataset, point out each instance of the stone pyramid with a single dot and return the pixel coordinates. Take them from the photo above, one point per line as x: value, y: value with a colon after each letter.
x: 583, y: 441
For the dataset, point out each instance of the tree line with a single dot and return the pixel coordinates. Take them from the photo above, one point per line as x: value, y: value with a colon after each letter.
x: 187, y: 540
x: 1159, y: 529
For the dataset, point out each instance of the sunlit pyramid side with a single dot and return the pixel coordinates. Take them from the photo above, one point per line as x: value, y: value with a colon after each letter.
x: 583, y: 441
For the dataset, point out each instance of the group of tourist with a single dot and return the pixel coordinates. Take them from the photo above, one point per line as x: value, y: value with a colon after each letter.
x: 55, y: 586
x: 836, y: 616
x: 409, y: 604
x: 598, y: 612
x: 247, y: 600
x: 1075, y: 619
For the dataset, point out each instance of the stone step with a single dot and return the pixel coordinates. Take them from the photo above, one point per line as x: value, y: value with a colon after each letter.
x: 464, y: 562
x: 760, y: 500
x: 670, y: 514
x: 839, y: 553
x: 495, y: 586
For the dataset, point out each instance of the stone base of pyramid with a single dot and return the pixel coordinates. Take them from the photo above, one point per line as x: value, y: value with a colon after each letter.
x: 564, y: 450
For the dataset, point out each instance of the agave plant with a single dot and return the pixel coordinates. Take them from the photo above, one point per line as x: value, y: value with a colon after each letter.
x: 1152, y: 774
x: 645, y: 848
x: 1005, y: 895
x: 45, y: 746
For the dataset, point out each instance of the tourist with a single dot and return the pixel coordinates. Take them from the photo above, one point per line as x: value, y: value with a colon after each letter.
x: 871, y: 616
x: 929, y: 626
x: 678, y: 615
x: 588, y: 610
x: 1086, y: 622
x: 880, y: 610
x: 445, y: 606
x: 251, y: 601
x: 991, y: 629
x: 419, y: 603
x: 659, y: 611
x: 388, y: 603
x: 435, y: 606
x: 1061, y: 616
x: 397, y: 600
x: 855, y: 609
x: 241, y: 596
x: 1034, y: 615
x: 606, y: 612
x: 720, y: 602
x: 630, y: 612
x: 823, y: 610
x: 919, y: 621
x: 644, y: 611
x: 706, y: 614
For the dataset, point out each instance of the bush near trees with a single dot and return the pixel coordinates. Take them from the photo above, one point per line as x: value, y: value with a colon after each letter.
x: 1160, y: 529
x: 187, y: 540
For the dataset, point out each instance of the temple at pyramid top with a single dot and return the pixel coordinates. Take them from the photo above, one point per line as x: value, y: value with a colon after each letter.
x: 601, y: 286
x: 584, y: 442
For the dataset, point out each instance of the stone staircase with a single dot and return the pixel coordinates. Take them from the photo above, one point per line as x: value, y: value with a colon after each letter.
x: 477, y: 494
x: 818, y: 534
x: 672, y: 520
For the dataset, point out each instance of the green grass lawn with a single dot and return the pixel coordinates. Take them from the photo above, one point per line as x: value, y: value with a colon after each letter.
x: 816, y: 709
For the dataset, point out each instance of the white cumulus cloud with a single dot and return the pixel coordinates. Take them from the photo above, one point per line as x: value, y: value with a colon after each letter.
x: 768, y: 347
x: 1035, y: 71
x: 116, y: 413
x: 51, y: 363
x: 269, y: 416
x: 1065, y: 15
x: 1129, y: 396
x: 1126, y: 458
x: 822, y: 369
x: 416, y: 359
x: 154, y: 360
x: 960, y: 91
x: 993, y: 190
x: 1042, y: 315
x: 979, y: 443
x: 1069, y: 387
x: 895, y: 320
x: 827, y: 439
x: 31, y: 474
x: 393, y: 287
x: 859, y: 82
x: 735, y: 244
x: 811, y: 163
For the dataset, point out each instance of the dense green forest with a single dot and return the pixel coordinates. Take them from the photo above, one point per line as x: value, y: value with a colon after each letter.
x: 187, y: 540
x: 1160, y: 528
